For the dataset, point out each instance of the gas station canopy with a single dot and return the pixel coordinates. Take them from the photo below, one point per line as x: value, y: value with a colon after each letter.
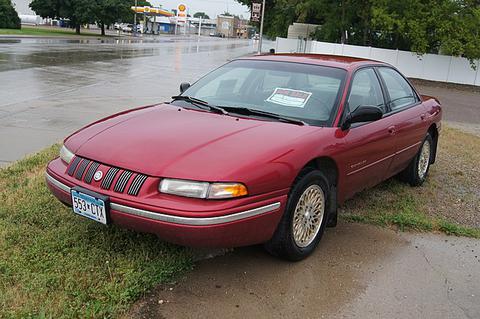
x: 151, y: 11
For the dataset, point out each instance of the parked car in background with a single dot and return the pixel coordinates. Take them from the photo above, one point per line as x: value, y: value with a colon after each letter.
x: 261, y: 150
x: 127, y: 28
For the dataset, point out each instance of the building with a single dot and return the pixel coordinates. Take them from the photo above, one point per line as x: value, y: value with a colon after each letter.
x: 209, y: 26
x: 227, y: 26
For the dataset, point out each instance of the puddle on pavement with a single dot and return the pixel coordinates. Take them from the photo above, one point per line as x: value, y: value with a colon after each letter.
x: 249, y: 283
x: 31, y: 52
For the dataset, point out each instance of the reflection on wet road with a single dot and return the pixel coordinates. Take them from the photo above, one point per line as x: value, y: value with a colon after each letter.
x: 358, y: 271
x: 51, y: 87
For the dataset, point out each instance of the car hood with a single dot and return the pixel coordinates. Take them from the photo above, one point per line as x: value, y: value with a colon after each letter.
x: 168, y: 141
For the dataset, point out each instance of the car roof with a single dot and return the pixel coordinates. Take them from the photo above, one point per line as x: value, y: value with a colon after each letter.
x: 343, y: 62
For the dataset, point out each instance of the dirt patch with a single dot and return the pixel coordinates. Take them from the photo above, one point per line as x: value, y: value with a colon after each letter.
x: 460, y: 103
x: 445, y: 85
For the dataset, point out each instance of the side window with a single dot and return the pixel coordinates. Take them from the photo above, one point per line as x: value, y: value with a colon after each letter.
x: 401, y: 93
x: 365, y: 90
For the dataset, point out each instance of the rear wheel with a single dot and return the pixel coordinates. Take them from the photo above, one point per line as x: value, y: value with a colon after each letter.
x: 417, y: 171
x: 304, y: 219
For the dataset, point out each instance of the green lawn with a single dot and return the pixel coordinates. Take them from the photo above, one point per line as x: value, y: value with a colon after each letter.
x: 39, y: 31
x: 54, y: 264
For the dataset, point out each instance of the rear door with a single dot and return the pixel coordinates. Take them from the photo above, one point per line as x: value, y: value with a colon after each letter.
x: 370, y: 146
x: 407, y: 114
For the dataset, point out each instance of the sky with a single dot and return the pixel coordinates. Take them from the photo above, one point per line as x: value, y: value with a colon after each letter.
x: 210, y: 7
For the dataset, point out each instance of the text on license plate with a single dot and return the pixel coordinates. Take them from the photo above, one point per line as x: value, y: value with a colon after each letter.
x: 89, y: 206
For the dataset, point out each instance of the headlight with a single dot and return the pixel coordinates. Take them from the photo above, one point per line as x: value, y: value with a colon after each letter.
x: 66, y: 155
x: 202, y: 189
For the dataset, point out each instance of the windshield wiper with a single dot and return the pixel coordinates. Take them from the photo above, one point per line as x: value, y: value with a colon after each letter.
x: 199, y: 102
x: 246, y: 110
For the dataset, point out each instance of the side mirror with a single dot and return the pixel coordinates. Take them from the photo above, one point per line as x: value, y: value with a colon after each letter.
x: 184, y: 86
x: 362, y: 114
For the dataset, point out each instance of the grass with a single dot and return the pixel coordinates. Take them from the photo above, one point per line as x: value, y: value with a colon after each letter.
x: 57, y: 265
x: 448, y: 202
x: 39, y: 31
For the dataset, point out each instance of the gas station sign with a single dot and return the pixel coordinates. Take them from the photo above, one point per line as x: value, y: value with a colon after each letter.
x: 182, y: 13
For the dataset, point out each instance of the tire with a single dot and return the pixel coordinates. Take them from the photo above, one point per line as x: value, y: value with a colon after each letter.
x: 417, y: 171
x: 310, y: 189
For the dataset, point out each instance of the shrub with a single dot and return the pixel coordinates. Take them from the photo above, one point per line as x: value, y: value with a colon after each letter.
x: 8, y: 16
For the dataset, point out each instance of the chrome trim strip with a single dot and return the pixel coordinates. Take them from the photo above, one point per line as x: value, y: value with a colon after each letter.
x: 193, y: 221
x: 408, y: 147
x: 58, y: 184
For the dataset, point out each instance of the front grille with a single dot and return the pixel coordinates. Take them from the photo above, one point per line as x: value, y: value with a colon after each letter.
x: 73, y: 165
x: 85, y: 169
x: 122, y: 181
x: 137, y: 184
x: 90, y: 172
x: 81, y: 168
x: 109, y: 177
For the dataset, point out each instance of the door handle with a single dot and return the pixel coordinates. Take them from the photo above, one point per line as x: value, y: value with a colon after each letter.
x: 423, y: 117
x: 391, y: 130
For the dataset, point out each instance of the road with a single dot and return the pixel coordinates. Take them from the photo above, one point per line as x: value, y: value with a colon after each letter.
x: 51, y: 87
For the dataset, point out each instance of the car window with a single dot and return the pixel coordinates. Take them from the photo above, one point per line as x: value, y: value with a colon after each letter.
x: 229, y: 82
x: 302, y: 91
x: 401, y: 93
x: 365, y: 90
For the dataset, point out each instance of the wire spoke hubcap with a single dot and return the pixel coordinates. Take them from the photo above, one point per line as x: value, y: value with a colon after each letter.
x: 308, y: 215
x: 424, y: 159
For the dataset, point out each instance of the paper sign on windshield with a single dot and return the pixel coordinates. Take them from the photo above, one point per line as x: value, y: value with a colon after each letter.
x: 289, y: 97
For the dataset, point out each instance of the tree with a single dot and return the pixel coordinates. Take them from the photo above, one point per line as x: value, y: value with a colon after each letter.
x: 77, y: 11
x: 421, y: 26
x: 103, y: 12
x: 8, y: 15
x: 202, y: 15
x: 111, y: 11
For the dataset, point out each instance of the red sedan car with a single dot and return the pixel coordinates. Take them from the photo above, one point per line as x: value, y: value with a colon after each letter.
x: 261, y: 150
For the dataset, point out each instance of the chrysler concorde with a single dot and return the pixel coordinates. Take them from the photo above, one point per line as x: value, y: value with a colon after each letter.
x: 259, y: 151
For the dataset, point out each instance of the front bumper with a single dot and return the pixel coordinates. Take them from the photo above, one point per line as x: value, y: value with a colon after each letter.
x: 252, y: 225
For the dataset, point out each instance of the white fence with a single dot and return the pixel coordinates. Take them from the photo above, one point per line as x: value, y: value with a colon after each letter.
x: 432, y: 67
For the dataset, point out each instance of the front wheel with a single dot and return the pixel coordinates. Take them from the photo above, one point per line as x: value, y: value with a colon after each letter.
x: 417, y: 171
x: 304, y: 219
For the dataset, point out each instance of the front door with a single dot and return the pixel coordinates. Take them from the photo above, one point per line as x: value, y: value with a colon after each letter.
x: 370, y: 147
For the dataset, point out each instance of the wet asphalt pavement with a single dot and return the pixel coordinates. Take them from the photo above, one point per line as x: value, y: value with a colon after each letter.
x: 51, y: 87
x: 357, y: 271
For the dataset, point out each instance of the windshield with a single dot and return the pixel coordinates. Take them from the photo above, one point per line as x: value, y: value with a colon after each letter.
x: 306, y: 92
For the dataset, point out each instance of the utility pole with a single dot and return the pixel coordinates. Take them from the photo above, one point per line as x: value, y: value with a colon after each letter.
x: 261, y: 29
x: 135, y: 20
x: 200, y: 27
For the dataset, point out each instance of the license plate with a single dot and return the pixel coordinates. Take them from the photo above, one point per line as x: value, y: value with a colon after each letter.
x: 90, y: 205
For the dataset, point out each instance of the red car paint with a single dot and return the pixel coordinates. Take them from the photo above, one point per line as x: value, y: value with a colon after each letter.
x: 163, y: 141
